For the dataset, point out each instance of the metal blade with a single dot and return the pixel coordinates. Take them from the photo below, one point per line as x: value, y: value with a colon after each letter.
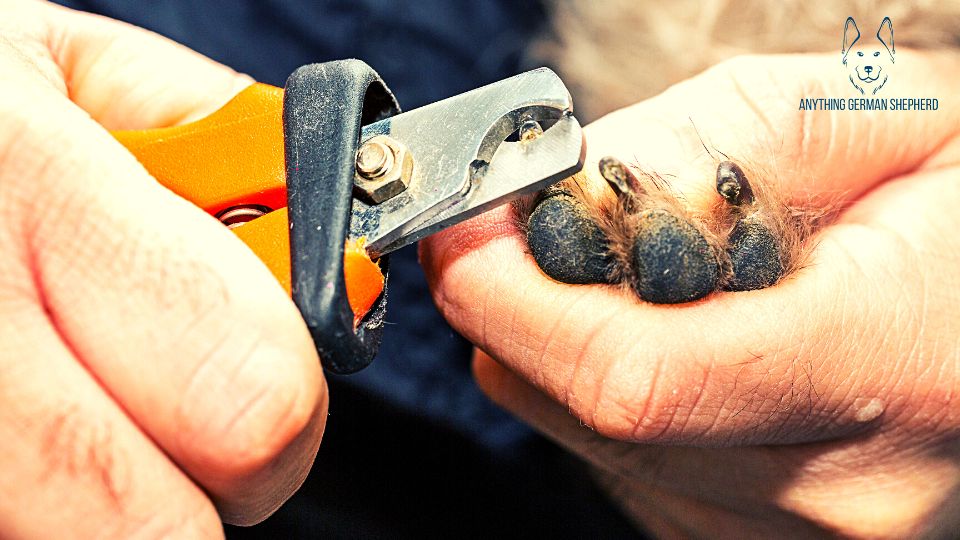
x: 462, y: 163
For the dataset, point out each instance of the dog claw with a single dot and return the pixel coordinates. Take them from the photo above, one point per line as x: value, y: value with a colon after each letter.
x: 732, y: 184
x: 567, y: 245
x: 619, y: 177
x: 753, y: 250
x: 672, y: 260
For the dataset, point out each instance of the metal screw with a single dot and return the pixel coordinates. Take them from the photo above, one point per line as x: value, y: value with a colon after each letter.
x: 529, y: 130
x: 384, y: 169
x: 374, y: 159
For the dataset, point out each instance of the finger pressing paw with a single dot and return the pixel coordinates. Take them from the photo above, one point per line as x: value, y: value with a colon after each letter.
x: 638, y: 232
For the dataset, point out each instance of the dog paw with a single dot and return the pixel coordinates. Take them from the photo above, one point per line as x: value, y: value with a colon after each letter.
x: 637, y: 232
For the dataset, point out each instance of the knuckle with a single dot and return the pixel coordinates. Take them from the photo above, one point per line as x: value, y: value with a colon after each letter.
x: 198, y: 522
x: 79, y: 446
x: 42, y: 169
x: 244, y: 406
x: 630, y: 405
x: 25, y: 150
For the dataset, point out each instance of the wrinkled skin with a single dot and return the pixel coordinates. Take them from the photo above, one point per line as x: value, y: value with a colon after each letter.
x: 152, y: 372
x: 825, y: 404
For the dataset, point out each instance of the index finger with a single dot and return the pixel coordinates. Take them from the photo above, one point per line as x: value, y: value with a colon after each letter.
x: 123, y: 76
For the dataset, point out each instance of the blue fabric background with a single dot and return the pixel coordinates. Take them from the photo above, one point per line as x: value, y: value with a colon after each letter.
x: 412, y: 447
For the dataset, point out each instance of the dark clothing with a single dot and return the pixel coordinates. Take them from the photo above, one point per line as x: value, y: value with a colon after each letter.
x: 412, y: 447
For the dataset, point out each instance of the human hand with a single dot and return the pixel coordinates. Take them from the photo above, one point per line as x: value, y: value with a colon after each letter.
x: 824, y: 404
x: 152, y: 371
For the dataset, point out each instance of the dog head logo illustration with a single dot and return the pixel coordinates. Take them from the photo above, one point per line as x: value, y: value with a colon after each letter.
x: 869, y: 62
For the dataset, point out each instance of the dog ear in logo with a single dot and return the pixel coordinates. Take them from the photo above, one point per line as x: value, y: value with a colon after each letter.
x: 869, y: 62
x: 851, y: 34
x: 885, y: 35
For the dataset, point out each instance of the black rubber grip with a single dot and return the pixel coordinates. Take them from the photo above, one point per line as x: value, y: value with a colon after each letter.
x: 324, y: 108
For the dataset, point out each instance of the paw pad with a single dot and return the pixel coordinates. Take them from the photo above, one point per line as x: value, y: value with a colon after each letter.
x: 754, y: 253
x: 567, y: 244
x: 672, y: 260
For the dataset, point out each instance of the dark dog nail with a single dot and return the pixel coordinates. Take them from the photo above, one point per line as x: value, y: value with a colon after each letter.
x: 619, y: 176
x: 567, y: 245
x: 732, y: 184
x: 754, y: 257
x: 672, y: 260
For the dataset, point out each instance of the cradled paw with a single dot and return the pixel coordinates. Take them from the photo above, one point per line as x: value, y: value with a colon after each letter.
x: 637, y: 232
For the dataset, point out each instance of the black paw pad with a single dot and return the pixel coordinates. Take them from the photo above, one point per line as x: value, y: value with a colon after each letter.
x: 672, y: 261
x: 754, y: 252
x: 567, y: 245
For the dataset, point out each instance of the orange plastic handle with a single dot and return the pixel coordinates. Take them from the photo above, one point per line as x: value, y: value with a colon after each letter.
x: 234, y: 157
